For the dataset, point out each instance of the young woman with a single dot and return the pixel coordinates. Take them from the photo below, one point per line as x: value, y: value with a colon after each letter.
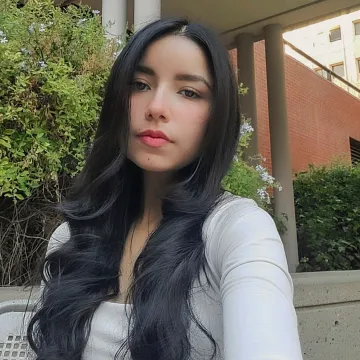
x: 154, y: 261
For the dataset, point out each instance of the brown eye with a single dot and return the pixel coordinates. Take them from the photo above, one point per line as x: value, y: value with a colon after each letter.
x: 190, y: 94
x: 140, y: 86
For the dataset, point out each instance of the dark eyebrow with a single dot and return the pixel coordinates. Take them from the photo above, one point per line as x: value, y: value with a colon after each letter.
x: 145, y: 70
x: 179, y: 77
x: 195, y: 78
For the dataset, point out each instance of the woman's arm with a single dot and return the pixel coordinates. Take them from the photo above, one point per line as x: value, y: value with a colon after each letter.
x: 60, y: 235
x: 260, y: 321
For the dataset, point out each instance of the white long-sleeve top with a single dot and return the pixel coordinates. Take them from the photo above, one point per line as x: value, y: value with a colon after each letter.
x: 248, y: 303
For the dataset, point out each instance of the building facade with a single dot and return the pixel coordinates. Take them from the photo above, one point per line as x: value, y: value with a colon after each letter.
x: 335, y: 43
x: 324, y: 120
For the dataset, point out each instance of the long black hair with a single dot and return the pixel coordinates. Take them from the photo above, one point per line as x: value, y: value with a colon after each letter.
x: 106, y: 199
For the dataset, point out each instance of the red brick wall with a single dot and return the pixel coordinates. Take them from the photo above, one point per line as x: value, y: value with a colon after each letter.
x: 321, y: 115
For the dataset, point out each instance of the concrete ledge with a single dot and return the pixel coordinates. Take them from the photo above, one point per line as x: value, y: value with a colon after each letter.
x: 333, y: 287
x: 18, y: 293
x: 328, y: 309
x: 327, y: 305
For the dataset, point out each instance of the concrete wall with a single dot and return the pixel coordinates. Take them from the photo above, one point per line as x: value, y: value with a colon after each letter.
x: 328, y: 308
x: 17, y: 293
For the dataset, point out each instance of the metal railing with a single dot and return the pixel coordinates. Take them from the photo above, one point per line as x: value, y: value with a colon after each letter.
x: 330, y: 75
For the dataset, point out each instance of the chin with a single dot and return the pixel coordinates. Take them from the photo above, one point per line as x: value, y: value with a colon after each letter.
x: 152, y: 165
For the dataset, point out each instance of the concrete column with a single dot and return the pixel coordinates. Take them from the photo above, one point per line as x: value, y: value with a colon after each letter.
x: 279, y: 135
x: 146, y: 11
x: 246, y: 75
x: 114, y: 17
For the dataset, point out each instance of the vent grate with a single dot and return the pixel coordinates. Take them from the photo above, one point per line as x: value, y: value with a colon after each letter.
x: 355, y: 151
x: 15, y: 348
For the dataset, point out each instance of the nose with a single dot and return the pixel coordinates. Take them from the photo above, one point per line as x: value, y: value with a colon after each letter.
x: 158, y: 108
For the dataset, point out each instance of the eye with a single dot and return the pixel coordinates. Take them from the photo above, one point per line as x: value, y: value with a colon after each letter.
x: 140, y: 86
x: 190, y: 94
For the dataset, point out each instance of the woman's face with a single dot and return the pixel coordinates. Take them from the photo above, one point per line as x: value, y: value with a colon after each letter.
x: 170, y: 105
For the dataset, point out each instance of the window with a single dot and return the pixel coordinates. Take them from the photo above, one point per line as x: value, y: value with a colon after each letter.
x: 338, y: 69
x: 335, y: 34
x: 323, y: 73
x: 357, y: 27
x: 355, y: 151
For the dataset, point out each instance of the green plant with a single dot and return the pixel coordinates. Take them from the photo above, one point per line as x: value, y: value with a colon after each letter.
x: 53, y: 68
x: 244, y: 179
x: 328, y: 218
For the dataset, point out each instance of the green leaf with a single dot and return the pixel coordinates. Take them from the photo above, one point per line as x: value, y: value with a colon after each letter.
x: 9, y: 131
x: 19, y: 196
x: 5, y: 143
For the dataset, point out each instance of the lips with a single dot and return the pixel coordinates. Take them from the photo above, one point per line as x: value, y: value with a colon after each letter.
x: 153, y: 138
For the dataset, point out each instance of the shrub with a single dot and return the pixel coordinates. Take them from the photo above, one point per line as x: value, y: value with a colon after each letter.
x: 53, y: 67
x: 244, y: 179
x: 249, y: 181
x: 328, y: 218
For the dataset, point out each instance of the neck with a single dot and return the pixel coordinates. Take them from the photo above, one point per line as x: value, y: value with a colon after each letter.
x: 154, y: 185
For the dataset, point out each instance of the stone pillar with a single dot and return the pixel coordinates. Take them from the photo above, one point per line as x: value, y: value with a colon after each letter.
x: 114, y: 17
x: 246, y: 76
x: 279, y: 135
x: 146, y: 11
